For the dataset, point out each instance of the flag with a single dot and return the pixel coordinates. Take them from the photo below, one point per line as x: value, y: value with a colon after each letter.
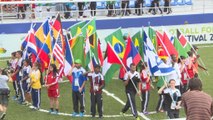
x: 88, y: 56
x: 167, y: 42
x: 179, y: 48
x: 100, y: 55
x: 111, y: 63
x: 152, y: 36
x: 138, y: 42
x: 117, y: 42
x: 161, y: 48
x: 75, y: 29
x: 68, y: 58
x: 58, y: 50
x: 148, y: 42
x: 131, y: 56
x: 78, y: 49
x: 89, y: 28
x: 156, y: 66
x: 184, y: 42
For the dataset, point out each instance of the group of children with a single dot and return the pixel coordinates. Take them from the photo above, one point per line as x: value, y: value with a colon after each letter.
x: 27, y: 82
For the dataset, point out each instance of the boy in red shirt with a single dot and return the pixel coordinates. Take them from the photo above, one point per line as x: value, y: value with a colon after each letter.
x: 145, y: 87
x: 51, y: 82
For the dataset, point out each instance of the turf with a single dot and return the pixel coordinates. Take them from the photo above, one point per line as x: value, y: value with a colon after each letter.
x: 111, y: 106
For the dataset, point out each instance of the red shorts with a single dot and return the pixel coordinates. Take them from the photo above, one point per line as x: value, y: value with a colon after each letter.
x: 53, y: 93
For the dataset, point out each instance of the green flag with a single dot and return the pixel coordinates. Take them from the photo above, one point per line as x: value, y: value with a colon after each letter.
x: 138, y: 42
x: 179, y: 48
x: 152, y: 36
x: 75, y: 29
x: 90, y: 27
x: 78, y: 49
x: 117, y: 42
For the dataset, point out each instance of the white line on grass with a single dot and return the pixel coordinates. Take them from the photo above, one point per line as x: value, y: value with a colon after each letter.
x: 123, y: 103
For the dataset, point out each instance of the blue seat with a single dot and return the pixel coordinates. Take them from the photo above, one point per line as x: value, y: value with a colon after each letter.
x: 117, y: 4
x: 132, y: 4
x: 161, y: 2
x: 73, y: 7
x: 173, y: 2
x: 180, y: 2
x: 101, y: 5
x: 188, y: 2
x: 147, y: 3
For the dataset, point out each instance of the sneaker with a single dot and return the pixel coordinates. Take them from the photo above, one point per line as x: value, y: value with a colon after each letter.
x: 15, y: 98
x: 2, y: 116
x: 145, y: 113
x: 54, y: 113
x: 74, y: 114
x: 50, y: 111
x: 31, y: 107
x: 81, y: 114
x: 137, y: 118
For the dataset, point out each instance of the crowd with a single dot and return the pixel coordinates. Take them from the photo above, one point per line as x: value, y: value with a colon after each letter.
x: 174, y: 89
x: 113, y: 8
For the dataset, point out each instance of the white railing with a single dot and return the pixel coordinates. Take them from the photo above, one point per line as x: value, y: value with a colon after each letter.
x: 40, y: 12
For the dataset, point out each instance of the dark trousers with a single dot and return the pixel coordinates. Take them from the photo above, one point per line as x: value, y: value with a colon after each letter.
x: 36, y: 97
x: 160, y: 104
x: 81, y: 8
x: 93, y: 8
x: 167, y: 6
x: 125, y: 7
x: 130, y: 103
x: 110, y: 9
x: 96, y: 99
x: 15, y: 86
x: 78, y: 97
x: 173, y: 114
x: 145, y: 100
x: 67, y: 12
x: 139, y: 7
x: 20, y: 87
x: 153, y: 4
x: 21, y: 9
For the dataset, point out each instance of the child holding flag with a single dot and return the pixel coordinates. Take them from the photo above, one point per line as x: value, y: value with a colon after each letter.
x: 96, y: 86
x: 78, y: 88
x: 51, y: 82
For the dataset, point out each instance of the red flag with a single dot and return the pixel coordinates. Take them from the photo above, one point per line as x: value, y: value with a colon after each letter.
x: 100, y: 56
x: 161, y: 49
x: 171, y: 49
x: 112, y: 56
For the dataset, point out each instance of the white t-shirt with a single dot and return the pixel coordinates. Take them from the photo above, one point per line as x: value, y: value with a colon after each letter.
x: 176, y: 75
x: 174, y: 94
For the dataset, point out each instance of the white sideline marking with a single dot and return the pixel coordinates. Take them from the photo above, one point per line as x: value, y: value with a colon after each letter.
x: 120, y: 101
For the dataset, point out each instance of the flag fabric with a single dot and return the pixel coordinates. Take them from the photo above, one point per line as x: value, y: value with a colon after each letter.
x: 184, y: 42
x: 88, y: 56
x: 138, y: 42
x: 117, y: 42
x: 179, y: 48
x: 148, y: 42
x: 100, y: 55
x: 161, y: 48
x: 111, y: 63
x: 75, y: 29
x: 131, y: 56
x: 78, y: 49
x: 89, y: 28
x: 167, y: 42
x: 68, y: 58
x: 152, y: 36
x: 156, y: 66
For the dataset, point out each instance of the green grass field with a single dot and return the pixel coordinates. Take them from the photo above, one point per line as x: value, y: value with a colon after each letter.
x: 111, y: 106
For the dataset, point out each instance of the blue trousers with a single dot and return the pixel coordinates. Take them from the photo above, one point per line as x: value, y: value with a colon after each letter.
x: 36, y: 97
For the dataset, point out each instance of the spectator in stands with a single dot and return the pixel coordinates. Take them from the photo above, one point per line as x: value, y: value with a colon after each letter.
x: 167, y: 6
x: 81, y: 9
x: 93, y: 8
x: 32, y: 7
x: 67, y: 13
x: 21, y: 10
x: 110, y: 7
x: 155, y: 6
x: 172, y: 99
x: 197, y: 104
x: 125, y: 8
x: 139, y: 7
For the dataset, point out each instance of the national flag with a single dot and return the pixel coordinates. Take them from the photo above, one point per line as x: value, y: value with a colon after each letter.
x: 111, y: 63
x: 148, y: 42
x: 169, y: 46
x: 75, y: 29
x: 184, y: 42
x: 131, y: 56
x: 138, y: 42
x: 78, y: 49
x: 68, y: 58
x: 152, y: 36
x: 117, y: 42
x: 179, y: 48
x: 100, y: 55
x: 89, y: 28
x: 88, y: 56
x: 161, y: 48
x: 156, y: 66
